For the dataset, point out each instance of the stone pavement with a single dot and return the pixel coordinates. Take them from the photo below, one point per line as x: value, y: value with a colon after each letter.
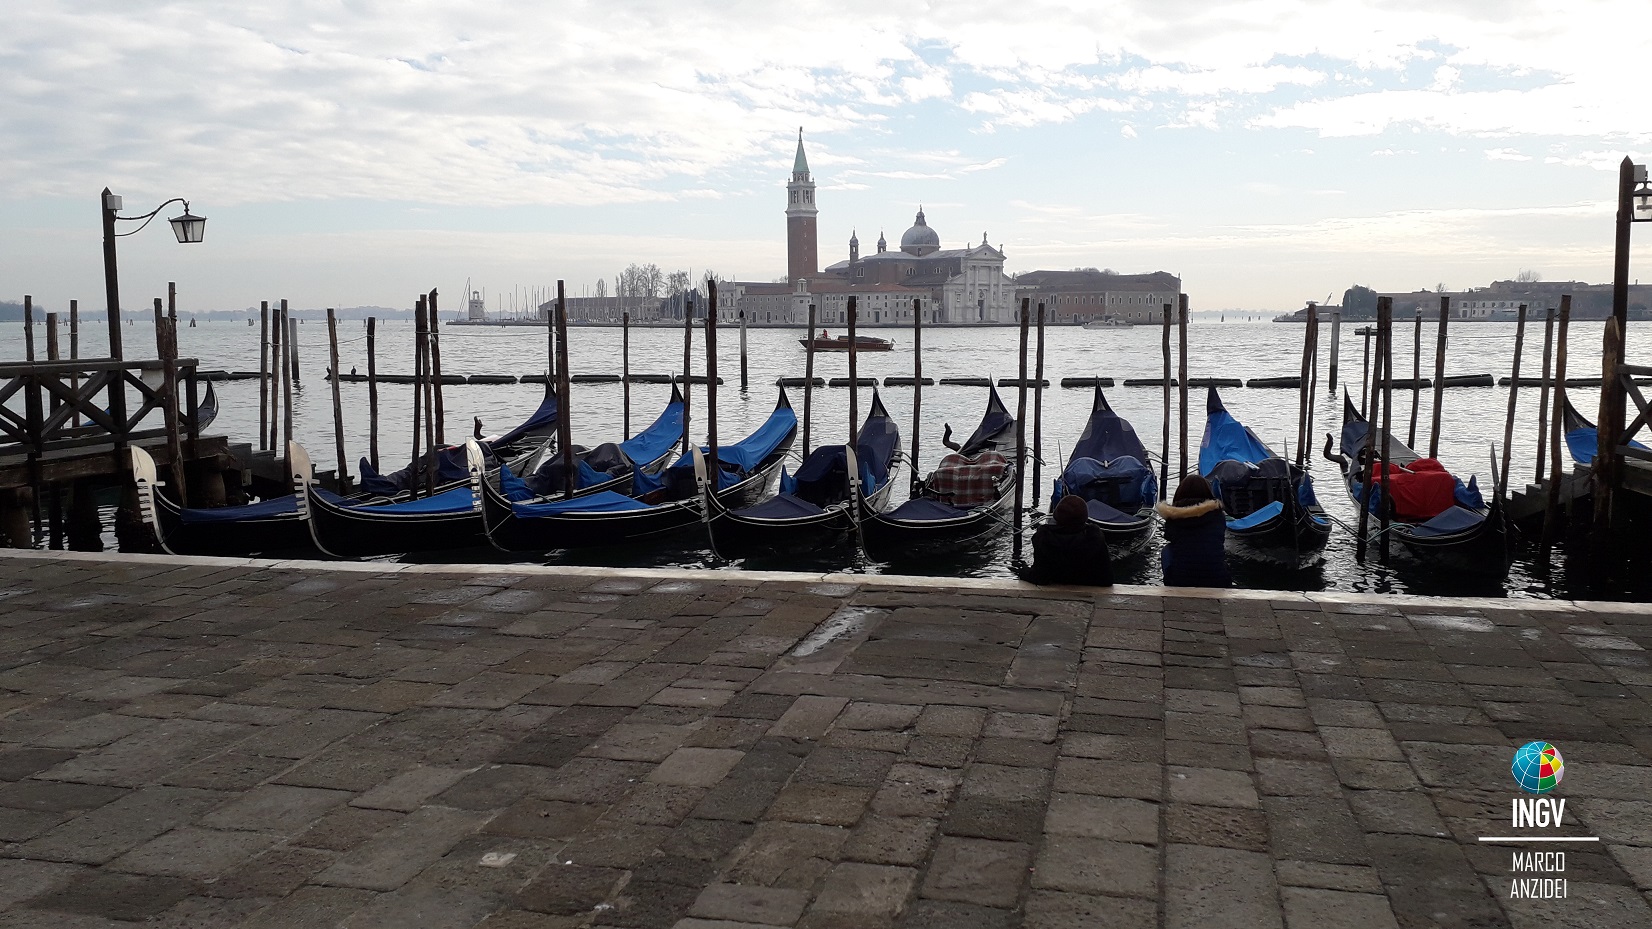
x: 222, y: 743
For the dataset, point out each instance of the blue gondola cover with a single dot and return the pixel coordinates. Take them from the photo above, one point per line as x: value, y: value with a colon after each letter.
x: 782, y: 506
x: 604, y: 502
x: 926, y: 510
x: 457, y: 500
x: 1260, y: 516
x: 1451, y: 521
x: 264, y: 509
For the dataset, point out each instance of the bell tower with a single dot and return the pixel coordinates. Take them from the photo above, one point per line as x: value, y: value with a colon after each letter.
x: 802, y: 247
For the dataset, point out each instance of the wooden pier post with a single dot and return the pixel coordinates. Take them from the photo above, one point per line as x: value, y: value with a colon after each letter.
x: 292, y: 342
x: 1336, y: 346
x: 564, y: 426
x: 28, y: 328
x: 278, y: 325
x: 1551, y: 507
x: 74, y: 354
x: 714, y: 466
x: 1385, y: 313
x: 917, y: 382
x: 289, y: 374
x: 808, y: 378
x: 428, y: 393
x: 51, y: 350
x: 1543, y: 393
x: 1304, y: 459
x: 1608, y: 427
x: 1365, y: 367
x: 418, y: 392
x: 264, y: 375
x: 440, y: 418
x: 338, y: 405
x: 1164, y: 457
x: 168, y: 329
x: 160, y: 314
x: 1304, y: 392
x: 1038, y: 411
x: 1508, y: 422
x: 688, y: 346
x: 625, y: 369
x: 742, y: 344
x: 172, y: 301
x: 854, y: 384
x: 1439, y: 378
x: 1021, y: 430
x: 1181, y: 380
x: 1369, y: 451
x: 1416, y: 377
x: 372, y: 392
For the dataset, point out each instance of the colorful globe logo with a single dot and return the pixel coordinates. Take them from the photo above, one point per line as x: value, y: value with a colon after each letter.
x: 1538, y: 767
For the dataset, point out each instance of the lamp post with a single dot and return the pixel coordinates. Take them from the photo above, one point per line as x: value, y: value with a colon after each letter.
x: 189, y: 229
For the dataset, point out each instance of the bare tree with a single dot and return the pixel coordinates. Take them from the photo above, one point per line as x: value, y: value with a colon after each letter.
x: 1528, y: 277
x: 677, y: 282
x: 602, y: 287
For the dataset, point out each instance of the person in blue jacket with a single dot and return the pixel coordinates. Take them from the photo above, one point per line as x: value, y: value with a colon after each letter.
x: 1195, y: 531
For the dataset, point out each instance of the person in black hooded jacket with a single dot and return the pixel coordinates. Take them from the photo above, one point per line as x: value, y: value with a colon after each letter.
x: 1067, y: 549
x: 1195, y: 532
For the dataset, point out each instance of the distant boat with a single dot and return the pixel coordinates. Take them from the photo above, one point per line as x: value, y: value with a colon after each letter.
x: 863, y: 343
x: 1107, y: 322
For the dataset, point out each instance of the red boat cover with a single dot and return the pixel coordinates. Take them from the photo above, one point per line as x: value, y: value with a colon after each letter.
x: 1421, y: 491
x: 968, y: 482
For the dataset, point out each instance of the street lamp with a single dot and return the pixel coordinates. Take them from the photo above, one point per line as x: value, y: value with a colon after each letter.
x: 189, y: 228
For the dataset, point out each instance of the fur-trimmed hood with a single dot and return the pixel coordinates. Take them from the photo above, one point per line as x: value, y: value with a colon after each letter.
x: 1170, y: 511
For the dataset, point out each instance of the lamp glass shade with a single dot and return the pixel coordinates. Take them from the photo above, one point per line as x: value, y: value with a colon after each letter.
x: 1643, y: 200
x: 188, y: 227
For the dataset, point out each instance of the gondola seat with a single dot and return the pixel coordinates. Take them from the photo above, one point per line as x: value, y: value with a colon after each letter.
x: 968, y: 481
x: 1421, y: 490
x: 1102, y: 513
x: 264, y: 509
x: 1453, y: 520
x: 921, y: 509
x: 782, y: 506
x: 1258, y: 516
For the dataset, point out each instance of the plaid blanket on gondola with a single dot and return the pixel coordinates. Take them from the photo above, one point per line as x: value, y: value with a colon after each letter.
x: 968, y: 482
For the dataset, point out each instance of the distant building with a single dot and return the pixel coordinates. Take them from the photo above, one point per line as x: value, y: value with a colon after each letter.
x: 1077, y: 297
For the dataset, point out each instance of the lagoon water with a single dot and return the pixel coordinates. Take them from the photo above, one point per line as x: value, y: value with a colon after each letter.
x: 1472, y: 419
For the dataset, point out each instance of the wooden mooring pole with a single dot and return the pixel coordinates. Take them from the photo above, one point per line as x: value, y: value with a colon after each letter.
x: 854, y: 384
x: 28, y: 328
x: 428, y: 394
x: 917, y: 382
x: 1608, y: 427
x: 564, y: 426
x: 372, y: 392
x: 625, y: 370
x: 1385, y: 311
x: 440, y: 418
x: 54, y: 521
x: 1164, y: 457
x: 688, y: 346
x: 1304, y: 393
x: 168, y: 329
x: 288, y: 375
x: 1439, y: 379
x: 1508, y: 423
x: 714, y: 465
x: 338, y: 405
x: 808, y: 379
x: 1551, y: 506
x: 418, y: 377
x: 1416, y: 377
x: 1038, y: 411
x: 277, y: 380
x: 1543, y: 393
x: 1365, y: 368
x: 1021, y: 430
x: 1336, y: 346
x: 1181, y: 381
x: 264, y: 375
x: 743, y: 342
x: 74, y: 349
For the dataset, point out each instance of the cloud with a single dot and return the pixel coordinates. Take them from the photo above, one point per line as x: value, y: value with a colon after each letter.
x: 1506, y: 154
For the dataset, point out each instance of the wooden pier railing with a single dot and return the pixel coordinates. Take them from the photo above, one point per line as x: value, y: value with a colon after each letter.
x: 68, y: 405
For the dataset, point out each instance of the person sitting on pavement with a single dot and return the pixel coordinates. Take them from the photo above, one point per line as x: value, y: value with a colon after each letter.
x: 1069, y: 549
x: 1195, y: 532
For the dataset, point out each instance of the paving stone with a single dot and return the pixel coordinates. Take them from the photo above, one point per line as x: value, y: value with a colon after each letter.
x: 113, y: 895
x: 395, y: 855
x: 1221, y: 827
x: 977, y: 871
x: 1212, y: 787
x: 831, y: 804
x: 878, y: 716
x: 1109, y: 779
x: 696, y: 767
x: 1210, y: 888
x: 946, y: 914
x: 1119, y: 819
x: 275, y: 873
x: 196, y: 854
x: 916, y: 790
x: 747, y: 904
x: 809, y: 717
x: 115, y: 828
x: 556, y: 820
x: 854, y: 893
x: 345, y: 828
x: 1310, y: 908
x: 276, y: 808
x: 408, y: 790
x: 1354, y: 878
x: 894, y: 840
x: 1083, y: 865
x: 1054, y: 909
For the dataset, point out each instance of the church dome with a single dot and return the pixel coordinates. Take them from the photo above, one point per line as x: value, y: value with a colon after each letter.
x: 920, y: 240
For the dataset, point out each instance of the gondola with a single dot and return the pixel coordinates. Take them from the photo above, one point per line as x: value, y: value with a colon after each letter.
x: 515, y: 448
x: 819, y: 507
x: 1582, y: 438
x: 207, y: 410
x: 452, y: 518
x: 1464, y: 533
x: 1273, y: 516
x: 658, y: 504
x: 277, y: 524
x: 1109, y: 470
x: 270, y: 525
x: 962, y: 500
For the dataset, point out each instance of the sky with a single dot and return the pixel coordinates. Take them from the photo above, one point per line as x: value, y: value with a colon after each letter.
x: 1270, y: 152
